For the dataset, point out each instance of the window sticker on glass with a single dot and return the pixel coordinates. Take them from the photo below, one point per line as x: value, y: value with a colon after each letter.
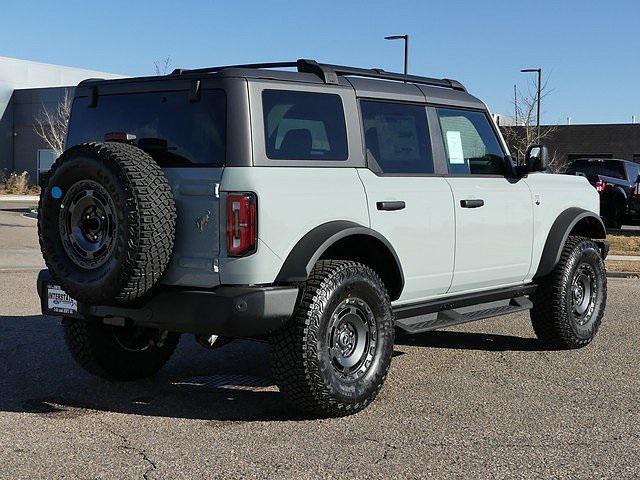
x: 454, y: 146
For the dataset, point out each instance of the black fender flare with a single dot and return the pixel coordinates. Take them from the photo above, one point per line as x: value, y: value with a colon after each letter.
x: 560, y: 231
x: 298, y: 264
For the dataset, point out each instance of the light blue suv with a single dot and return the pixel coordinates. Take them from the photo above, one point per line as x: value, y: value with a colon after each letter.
x: 319, y: 210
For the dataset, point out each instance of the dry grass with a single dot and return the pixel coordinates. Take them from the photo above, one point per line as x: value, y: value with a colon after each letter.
x: 17, y: 184
x: 623, y: 266
x: 624, y: 244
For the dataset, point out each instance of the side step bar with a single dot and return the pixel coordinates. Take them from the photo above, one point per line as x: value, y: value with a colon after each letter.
x: 447, y: 318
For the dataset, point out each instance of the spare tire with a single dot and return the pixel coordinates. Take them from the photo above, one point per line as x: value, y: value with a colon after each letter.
x: 106, y: 222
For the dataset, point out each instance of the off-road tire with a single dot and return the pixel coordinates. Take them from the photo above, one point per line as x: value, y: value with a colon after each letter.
x: 300, y: 355
x: 614, y: 216
x: 144, y: 217
x: 95, y: 347
x: 552, y: 314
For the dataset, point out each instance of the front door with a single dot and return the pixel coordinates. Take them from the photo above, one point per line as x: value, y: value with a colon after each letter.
x: 408, y: 204
x: 494, y: 213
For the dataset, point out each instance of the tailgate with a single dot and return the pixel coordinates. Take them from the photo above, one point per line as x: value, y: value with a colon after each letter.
x: 197, y: 244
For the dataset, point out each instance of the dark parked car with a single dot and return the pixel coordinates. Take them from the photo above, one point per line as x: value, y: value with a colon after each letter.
x: 617, y: 181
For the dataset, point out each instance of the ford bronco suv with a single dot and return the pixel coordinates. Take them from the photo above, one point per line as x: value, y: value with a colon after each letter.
x: 319, y: 209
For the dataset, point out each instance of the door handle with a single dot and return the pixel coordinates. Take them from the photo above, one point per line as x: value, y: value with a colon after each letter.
x: 475, y: 203
x: 391, y: 206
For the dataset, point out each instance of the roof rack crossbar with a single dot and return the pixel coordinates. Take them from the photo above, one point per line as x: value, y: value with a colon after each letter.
x: 180, y: 71
x: 330, y: 73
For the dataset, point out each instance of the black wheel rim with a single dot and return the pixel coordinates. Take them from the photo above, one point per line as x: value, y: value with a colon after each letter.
x: 352, y: 338
x: 584, y: 290
x: 88, y: 224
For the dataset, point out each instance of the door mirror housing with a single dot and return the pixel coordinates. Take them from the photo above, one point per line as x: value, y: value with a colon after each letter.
x: 537, y: 158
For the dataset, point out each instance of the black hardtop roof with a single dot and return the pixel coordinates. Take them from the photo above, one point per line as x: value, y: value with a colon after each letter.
x: 310, y: 71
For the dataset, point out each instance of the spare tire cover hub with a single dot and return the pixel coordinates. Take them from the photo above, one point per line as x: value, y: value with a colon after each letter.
x: 88, y: 224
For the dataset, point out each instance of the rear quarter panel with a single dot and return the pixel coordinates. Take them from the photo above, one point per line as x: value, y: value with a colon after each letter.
x: 552, y: 194
x: 291, y: 202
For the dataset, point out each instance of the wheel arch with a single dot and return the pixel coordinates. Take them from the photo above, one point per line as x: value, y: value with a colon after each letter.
x: 343, y: 239
x: 572, y: 221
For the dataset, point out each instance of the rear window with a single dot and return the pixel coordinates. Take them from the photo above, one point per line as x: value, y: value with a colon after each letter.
x: 174, y: 131
x: 304, y: 126
x: 607, y: 168
x: 397, y: 136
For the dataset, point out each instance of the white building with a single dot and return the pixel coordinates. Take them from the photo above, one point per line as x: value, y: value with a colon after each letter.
x: 25, y: 89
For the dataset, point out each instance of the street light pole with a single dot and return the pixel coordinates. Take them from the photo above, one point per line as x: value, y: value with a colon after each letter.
x: 406, y: 48
x: 539, y: 72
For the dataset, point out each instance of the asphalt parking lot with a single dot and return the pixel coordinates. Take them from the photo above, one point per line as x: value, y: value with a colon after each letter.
x: 484, y: 400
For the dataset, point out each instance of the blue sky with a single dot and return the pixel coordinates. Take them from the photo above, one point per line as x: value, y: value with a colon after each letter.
x: 590, y: 50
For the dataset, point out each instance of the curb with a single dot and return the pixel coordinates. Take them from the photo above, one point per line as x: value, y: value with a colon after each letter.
x: 624, y: 258
x: 19, y: 198
x: 631, y: 275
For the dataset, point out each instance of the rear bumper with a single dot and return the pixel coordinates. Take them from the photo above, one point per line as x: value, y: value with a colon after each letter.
x: 235, y: 311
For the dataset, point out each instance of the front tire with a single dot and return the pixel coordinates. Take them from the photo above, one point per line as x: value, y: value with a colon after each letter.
x: 332, y: 357
x: 569, y: 303
x: 118, y: 353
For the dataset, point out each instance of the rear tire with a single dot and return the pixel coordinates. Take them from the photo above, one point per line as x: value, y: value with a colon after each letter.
x: 614, y: 217
x: 569, y: 303
x: 118, y: 353
x: 332, y: 357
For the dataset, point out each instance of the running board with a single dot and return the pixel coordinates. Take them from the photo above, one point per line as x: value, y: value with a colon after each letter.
x: 447, y: 318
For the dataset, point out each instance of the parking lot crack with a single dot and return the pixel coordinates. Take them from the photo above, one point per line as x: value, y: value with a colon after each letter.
x: 125, y: 444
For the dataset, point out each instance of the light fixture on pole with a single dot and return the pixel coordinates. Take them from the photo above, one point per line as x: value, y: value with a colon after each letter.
x: 406, y: 48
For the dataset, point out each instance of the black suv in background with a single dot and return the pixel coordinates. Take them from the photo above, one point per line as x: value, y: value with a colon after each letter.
x: 617, y: 182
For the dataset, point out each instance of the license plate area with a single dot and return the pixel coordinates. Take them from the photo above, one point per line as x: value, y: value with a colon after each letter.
x: 57, y: 302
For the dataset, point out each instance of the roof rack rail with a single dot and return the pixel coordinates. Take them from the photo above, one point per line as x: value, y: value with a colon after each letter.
x: 330, y: 73
x: 341, y: 70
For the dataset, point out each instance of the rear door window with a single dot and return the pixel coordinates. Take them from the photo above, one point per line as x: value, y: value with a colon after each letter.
x: 173, y: 130
x: 397, y: 137
x: 304, y: 126
x: 471, y: 145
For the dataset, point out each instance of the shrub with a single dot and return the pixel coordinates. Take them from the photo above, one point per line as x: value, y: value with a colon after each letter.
x: 17, y: 184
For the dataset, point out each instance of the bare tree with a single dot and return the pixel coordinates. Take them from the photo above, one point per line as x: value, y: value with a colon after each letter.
x: 525, y: 133
x: 163, y: 66
x: 51, y: 124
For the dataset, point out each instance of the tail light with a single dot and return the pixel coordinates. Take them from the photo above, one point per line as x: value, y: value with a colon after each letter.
x: 242, y: 224
x: 600, y: 186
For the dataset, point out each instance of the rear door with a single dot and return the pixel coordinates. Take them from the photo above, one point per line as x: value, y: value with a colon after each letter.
x: 408, y: 202
x: 188, y: 140
x: 494, y: 213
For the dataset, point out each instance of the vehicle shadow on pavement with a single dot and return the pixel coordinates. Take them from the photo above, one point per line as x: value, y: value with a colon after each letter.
x: 39, y: 376
x: 471, y: 341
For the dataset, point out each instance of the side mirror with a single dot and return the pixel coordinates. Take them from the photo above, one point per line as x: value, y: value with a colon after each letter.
x: 537, y: 158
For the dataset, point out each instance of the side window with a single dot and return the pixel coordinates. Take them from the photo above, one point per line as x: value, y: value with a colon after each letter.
x: 470, y: 143
x: 397, y: 136
x: 304, y: 126
x: 633, y: 172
